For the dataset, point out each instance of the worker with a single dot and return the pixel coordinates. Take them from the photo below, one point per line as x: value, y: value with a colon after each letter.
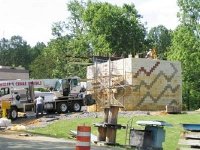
x: 39, y: 105
x: 149, y: 54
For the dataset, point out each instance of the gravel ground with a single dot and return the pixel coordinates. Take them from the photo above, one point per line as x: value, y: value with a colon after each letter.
x: 31, y: 122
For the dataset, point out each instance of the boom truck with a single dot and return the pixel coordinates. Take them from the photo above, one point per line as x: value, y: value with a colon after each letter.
x: 64, y: 95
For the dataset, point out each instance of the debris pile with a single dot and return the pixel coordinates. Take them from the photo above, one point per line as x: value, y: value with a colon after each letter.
x: 17, y: 128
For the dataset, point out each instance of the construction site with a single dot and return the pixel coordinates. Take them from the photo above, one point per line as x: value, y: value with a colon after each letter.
x: 115, y: 88
x: 99, y: 75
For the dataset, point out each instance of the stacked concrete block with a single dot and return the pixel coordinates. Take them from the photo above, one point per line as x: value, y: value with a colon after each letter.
x: 137, y: 84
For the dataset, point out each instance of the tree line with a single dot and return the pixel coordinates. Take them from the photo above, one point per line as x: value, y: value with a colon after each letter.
x: 103, y: 29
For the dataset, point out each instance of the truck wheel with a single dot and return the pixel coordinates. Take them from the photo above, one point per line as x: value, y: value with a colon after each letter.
x: 13, y: 113
x: 62, y: 107
x: 76, y: 107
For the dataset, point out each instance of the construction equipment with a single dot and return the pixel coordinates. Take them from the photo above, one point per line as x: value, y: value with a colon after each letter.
x: 64, y: 95
x: 5, y: 105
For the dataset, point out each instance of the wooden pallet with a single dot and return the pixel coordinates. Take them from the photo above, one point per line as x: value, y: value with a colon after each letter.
x: 189, y: 141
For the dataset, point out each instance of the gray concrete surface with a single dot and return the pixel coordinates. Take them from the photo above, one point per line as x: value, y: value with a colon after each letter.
x: 12, y: 141
x: 19, y: 144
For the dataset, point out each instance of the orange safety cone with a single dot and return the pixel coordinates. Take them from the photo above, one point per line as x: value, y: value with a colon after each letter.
x: 83, y: 138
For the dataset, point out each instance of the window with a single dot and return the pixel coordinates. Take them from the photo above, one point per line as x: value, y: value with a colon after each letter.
x: 4, y: 91
x: 74, y: 82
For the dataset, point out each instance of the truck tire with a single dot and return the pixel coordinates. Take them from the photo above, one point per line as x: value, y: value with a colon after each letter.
x: 76, y: 107
x: 62, y: 107
x: 13, y: 113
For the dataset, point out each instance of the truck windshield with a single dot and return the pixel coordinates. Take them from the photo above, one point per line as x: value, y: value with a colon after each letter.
x: 58, y: 86
x: 65, y: 83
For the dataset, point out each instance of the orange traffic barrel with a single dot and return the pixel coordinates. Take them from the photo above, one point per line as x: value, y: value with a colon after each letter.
x: 83, y: 138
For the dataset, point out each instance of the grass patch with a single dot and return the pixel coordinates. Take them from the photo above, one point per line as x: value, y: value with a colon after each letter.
x: 62, y: 128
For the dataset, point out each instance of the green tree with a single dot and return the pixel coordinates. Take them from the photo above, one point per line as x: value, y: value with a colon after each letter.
x: 75, y: 24
x: 186, y: 48
x: 190, y: 14
x: 117, y: 28
x: 105, y: 29
x: 15, y: 52
x: 4, y: 51
x: 93, y: 28
x: 160, y: 39
x: 37, y: 50
x: 45, y: 65
x: 57, y: 60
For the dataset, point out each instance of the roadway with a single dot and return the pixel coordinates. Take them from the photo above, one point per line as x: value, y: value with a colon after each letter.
x: 13, y: 141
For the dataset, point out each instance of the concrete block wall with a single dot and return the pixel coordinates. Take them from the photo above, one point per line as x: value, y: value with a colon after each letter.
x: 156, y: 83
x: 148, y: 84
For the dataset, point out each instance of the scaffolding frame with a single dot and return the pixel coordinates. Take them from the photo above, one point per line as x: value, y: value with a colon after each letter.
x: 114, y: 82
x: 105, y: 85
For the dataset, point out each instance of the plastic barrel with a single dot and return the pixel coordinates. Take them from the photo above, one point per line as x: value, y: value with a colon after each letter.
x: 83, y: 138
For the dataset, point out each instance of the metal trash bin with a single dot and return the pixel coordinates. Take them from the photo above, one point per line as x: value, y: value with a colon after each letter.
x: 150, y: 138
x: 158, y: 136
x: 140, y: 138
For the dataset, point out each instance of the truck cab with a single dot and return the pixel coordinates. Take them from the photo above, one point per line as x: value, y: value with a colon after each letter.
x: 68, y: 87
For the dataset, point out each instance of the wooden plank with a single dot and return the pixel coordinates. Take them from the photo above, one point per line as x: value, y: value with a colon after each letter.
x: 186, y: 148
x: 189, y: 142
x: 112, y: 119
x: 113, y: 115
x: 102, y: 133
x: 106, y: 113
x: 102, y: 129
x: 111, y: 135
x: 192, y: 135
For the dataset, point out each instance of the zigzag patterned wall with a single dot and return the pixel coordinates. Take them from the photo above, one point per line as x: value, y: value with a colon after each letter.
x: 156, y: 84
x: 151, y: 84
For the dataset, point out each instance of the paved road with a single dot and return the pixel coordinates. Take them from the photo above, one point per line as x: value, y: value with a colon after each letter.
x: 16, y: 142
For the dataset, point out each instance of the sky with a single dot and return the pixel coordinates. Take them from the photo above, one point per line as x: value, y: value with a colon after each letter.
x: 33, y: 19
